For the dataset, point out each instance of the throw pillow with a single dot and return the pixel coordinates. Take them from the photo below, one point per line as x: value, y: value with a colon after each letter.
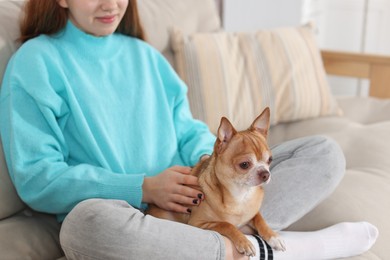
x: 238, y: 74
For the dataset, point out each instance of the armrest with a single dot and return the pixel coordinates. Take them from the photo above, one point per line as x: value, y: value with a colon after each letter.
x: 376, y: 68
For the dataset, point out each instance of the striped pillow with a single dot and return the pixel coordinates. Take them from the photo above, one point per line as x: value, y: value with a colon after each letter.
x: 238, y: 74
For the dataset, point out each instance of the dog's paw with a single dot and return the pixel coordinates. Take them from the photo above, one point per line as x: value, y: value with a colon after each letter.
x: 244, y: 246
x: 277, y: 243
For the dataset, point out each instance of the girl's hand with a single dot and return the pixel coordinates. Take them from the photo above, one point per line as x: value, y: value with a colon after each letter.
x: 170, y: 189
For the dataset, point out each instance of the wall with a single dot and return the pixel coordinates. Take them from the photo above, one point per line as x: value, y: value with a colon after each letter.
x: 259, y: 14
x: 347, y: 25
x: 350, y: 25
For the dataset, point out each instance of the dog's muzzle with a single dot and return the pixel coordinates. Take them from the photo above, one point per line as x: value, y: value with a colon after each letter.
x: 264, y: 175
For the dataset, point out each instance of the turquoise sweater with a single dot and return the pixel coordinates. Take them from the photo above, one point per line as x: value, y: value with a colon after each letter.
x: 89, y: 117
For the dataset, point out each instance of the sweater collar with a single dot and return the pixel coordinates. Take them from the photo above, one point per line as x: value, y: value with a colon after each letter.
x: 88, y: 44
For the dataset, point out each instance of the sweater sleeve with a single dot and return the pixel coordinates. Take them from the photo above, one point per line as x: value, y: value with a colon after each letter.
x: 194, y: 136
x: 32, y: 116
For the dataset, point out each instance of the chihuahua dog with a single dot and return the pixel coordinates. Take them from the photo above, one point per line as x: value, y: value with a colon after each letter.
x: 231, y: 179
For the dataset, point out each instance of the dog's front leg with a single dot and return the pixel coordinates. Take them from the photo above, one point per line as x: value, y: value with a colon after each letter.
x: 267, y: 233
x: 242, y: 244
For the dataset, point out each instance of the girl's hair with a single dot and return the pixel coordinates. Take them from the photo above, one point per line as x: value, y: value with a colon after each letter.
x: 48, y: 17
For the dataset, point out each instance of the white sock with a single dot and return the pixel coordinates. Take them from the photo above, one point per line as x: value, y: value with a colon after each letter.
x: 341, y: 240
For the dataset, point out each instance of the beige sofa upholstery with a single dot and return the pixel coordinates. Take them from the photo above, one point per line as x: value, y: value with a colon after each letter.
x: 363, y: 131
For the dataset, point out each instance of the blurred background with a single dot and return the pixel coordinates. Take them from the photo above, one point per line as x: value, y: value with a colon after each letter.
x: 345, y: 25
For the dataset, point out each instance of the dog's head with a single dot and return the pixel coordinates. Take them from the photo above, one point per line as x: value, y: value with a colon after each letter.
x: 243, y: 157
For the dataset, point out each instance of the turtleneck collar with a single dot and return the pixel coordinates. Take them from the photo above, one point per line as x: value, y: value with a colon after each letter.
x: 88, y: 44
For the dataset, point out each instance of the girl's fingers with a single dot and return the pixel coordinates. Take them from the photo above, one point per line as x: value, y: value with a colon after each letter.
x: 189, y: 192
x: 181, y: 169
x: 179, y: 208
x: 184, y: 204
x: 185, y: 201
x: 189, y: 180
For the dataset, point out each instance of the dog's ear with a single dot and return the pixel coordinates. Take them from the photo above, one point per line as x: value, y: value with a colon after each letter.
x: 262, y: 122
x: 225, y: 133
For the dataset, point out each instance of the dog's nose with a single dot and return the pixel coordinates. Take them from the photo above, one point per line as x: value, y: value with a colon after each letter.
x: 264, y: 175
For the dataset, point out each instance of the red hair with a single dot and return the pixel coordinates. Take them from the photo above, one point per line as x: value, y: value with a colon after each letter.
x: 48, y: 17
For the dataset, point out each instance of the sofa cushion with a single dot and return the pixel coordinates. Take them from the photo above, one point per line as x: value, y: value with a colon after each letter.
x: 365, y: 110
x: 30, y: 235
x: 237, y: 74
x: 158, y: 17
x: 10, y: 202
x: 9, y: 30
x: 9, y: 16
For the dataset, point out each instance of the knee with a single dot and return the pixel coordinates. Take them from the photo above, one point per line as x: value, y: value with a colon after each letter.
x: 329, y: 149
x: 92, y: 211
x: 85, y: 214
x: 85, y: 226
x: 330, y: 156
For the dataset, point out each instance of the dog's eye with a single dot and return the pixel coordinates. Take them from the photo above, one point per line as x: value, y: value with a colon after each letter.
x: 245, y: 165
x: 270, y: 160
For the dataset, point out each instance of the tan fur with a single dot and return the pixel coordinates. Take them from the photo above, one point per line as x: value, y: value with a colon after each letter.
x: 233, y: 195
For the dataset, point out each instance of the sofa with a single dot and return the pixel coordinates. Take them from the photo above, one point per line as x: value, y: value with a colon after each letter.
x: 236, y: 74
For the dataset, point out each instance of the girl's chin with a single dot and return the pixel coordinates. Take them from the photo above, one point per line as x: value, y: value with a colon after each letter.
x: 102, y: 33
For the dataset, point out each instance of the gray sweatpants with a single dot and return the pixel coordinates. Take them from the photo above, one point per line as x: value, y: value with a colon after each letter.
x: 304, y: 172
